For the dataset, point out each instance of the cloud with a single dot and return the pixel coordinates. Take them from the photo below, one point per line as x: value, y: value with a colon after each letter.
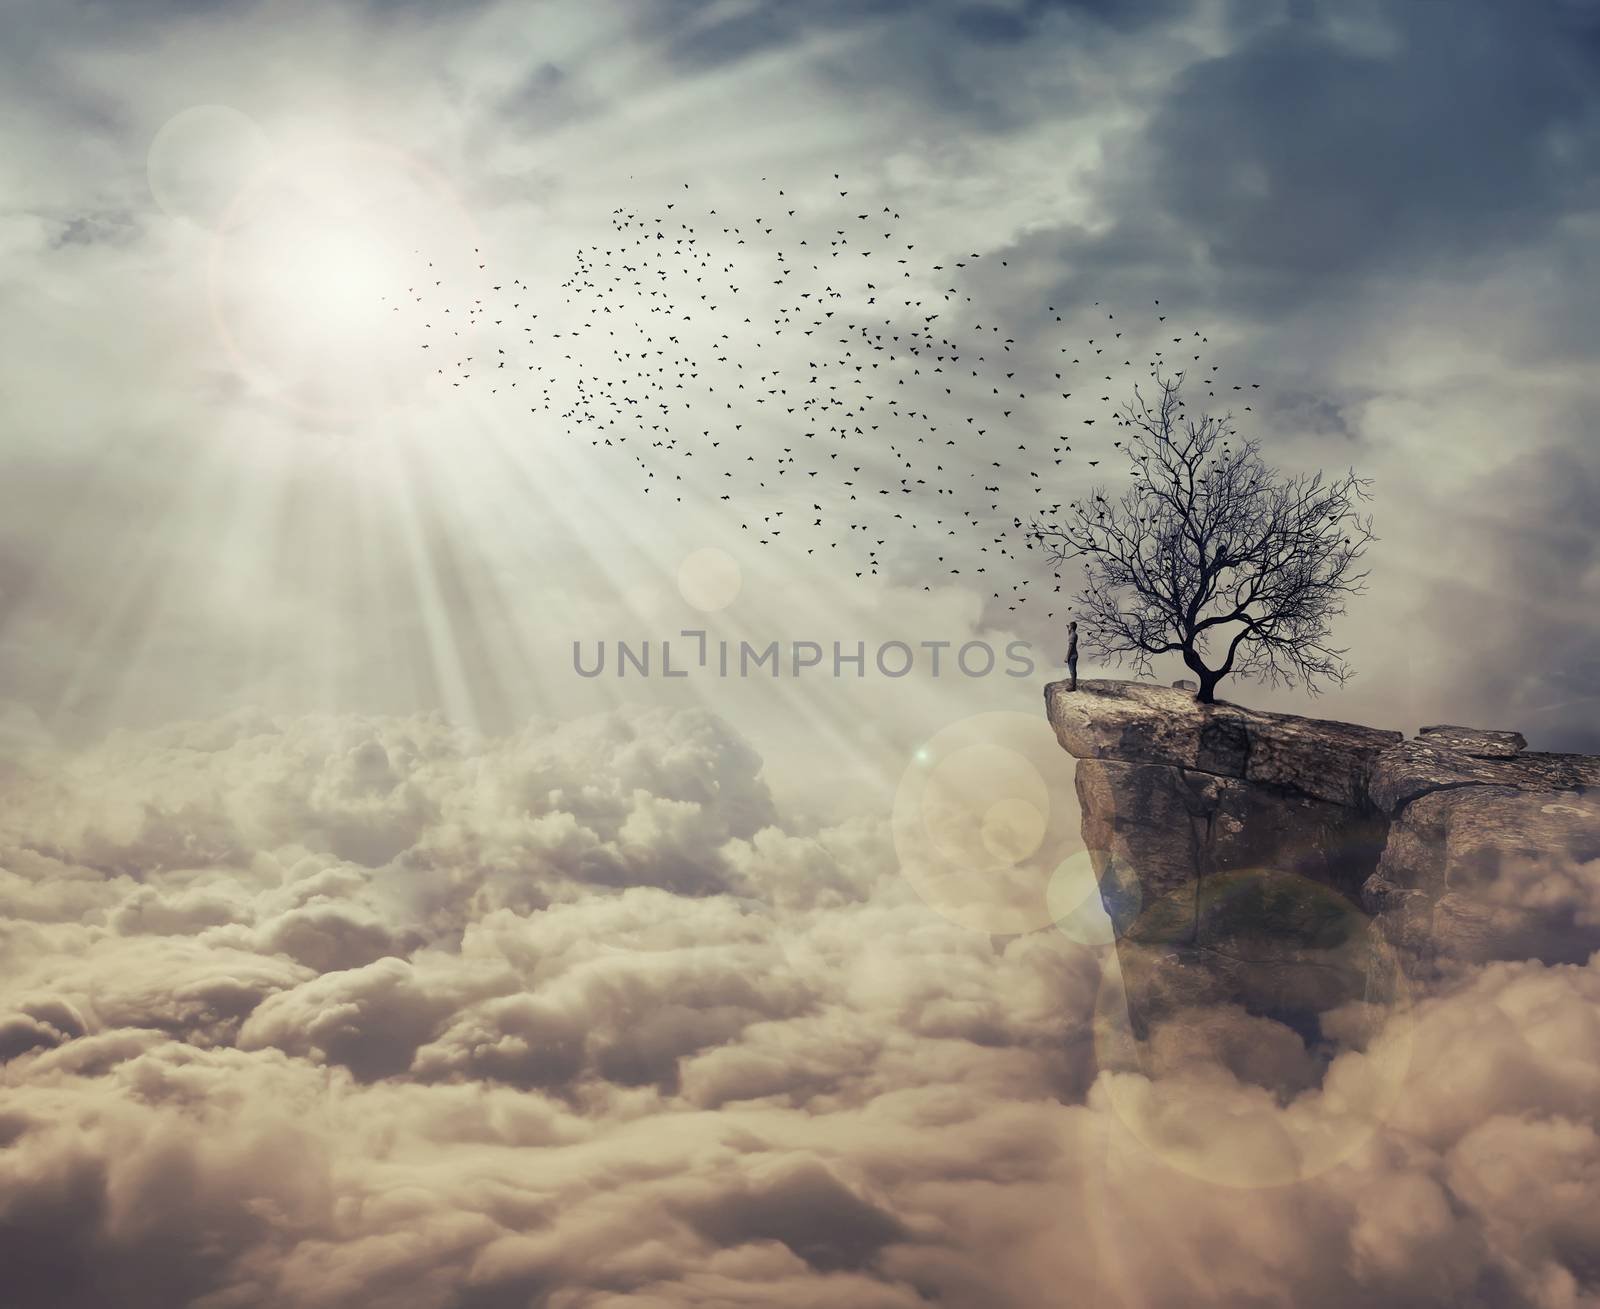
x: 808, y: 1210
x: 1539, y: 632
x: 296, y: 1079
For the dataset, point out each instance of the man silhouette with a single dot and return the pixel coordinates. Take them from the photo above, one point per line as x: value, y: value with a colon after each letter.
x: 1072, y: 656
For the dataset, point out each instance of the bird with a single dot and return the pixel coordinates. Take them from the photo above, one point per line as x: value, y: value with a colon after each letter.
x: 730, y: 358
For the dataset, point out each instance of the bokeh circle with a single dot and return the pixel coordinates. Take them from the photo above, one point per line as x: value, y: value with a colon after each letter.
x: 1077, y: 905
x: 200, y: 159
x: 984, y: 814
x: 710, y: 579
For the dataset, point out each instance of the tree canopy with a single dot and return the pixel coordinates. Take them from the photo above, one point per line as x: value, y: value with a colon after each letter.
x: 1210, y: 554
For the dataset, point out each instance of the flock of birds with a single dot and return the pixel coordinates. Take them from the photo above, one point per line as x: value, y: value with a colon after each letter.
x: 815, y: 373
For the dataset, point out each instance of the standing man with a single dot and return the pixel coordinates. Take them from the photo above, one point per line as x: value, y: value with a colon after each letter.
x: 1072, y: 656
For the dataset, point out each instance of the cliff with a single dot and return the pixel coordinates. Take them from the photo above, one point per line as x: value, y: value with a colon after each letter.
x: 1291, y: 864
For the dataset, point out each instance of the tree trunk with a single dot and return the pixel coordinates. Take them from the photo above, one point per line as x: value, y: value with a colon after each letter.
x: 1206, y: 678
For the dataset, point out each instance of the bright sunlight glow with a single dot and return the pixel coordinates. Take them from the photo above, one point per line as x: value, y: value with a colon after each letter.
x: 317, y: 269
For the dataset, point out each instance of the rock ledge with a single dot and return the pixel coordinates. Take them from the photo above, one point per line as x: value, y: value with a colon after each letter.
x: 1178, y: 796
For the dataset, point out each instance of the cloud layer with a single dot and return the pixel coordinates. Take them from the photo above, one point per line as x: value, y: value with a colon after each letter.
x: 341, y: 1011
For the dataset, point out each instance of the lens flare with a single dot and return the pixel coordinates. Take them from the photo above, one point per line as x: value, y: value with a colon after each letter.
x: 1084, y: 909
x: 709, y: 579
x: 983, y: 815
x: 200, y: 160
x: 1253, y: 1030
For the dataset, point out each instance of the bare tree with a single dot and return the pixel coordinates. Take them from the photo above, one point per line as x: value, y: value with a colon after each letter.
x: 1208, y: 546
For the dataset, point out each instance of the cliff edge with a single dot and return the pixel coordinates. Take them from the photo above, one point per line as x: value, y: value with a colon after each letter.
x: 1291, y: 864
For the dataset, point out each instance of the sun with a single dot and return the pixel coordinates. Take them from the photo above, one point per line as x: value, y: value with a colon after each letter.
x: 327, y: 270
x: 333, y: 275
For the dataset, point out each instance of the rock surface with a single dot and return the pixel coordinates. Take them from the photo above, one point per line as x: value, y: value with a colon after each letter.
x: 1291, y: 864
x: 1492, y: 852
x: 1475, y: 741
x: 1134, y: 722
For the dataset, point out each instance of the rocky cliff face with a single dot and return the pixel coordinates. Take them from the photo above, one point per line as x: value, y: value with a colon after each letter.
x: 1292, y: 864
x: 1493, y: 852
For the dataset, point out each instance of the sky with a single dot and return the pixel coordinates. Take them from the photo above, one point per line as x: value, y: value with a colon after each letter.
x: 359, y: 950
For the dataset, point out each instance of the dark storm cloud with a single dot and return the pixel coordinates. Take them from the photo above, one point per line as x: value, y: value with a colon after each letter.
x: 914, y: 47
x: 1359, y: 140
x: 1004, y: 23
x: 1291, y: 153
x: 1523, y: 597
